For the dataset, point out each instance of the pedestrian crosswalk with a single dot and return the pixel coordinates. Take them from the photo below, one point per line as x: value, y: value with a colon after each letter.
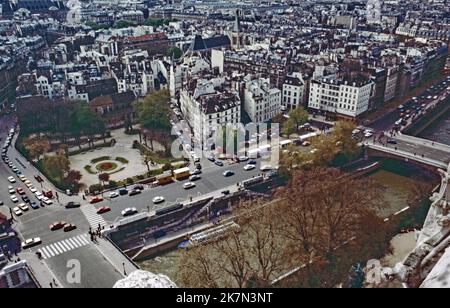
x: 64, y: 246
x: 91, y: 215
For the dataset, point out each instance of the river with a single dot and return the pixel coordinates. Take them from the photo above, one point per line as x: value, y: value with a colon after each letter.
x: 440, y: 131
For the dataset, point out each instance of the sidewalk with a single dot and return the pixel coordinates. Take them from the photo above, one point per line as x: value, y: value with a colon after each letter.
x: 42, y: 273
x: 116, y: 258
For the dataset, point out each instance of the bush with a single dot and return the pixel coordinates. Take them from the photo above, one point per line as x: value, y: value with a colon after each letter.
x: 99, y: 159
x: 130, y: 181
x: 95, y: 188
x: 122, y: 160
x: 112, y: 185
x: 140, y: 177
x: 88, y: 169
x: 167, y: 167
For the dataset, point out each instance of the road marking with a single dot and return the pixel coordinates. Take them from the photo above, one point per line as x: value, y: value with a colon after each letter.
x: 63, y: 246
x: 94, y: 219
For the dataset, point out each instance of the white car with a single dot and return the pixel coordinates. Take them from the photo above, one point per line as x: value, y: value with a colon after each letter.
x: 33, y: 189
x: 28, y: 183
x: 31, y: 242
x: 11, y: 190
x: 17, y: 211
x: 249, y: 167
x: 114, y: 194
x: 23, y: 178
x: 129, y: 211
x: 368, y: 134
x: 11, y: 179
x: 158, y: 199
x: 39, y: 195
x: 189, y: 185
x: 23, y: 207
x: 266, y: 168
x: 14, y: 198
x: 243, y: 158
x: 47, y: 201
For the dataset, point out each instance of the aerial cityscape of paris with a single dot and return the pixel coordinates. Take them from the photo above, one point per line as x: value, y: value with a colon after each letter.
x: 204, y: 145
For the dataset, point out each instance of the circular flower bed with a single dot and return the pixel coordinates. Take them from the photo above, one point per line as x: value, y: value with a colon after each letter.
x: 106, y: 166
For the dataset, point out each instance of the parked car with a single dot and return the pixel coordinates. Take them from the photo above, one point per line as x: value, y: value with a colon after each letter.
x: 17, y: 211
x: 123, y: 191
x: 134, y: 192
x: 114, y: 194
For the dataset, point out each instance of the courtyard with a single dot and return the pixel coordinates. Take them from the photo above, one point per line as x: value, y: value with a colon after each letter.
x: 120, y: 161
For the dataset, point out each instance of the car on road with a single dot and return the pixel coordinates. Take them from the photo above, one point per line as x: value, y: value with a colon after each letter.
x: 114, y: 194
x: 29, y: 243
x: 219, y: 163
x: 392, y: 141
x: 103, y: 209
x: 243, y: 159
x: 228, y: 173
x: 129, y: 211
x: 266, y: 168
x: 17, y: 211
x: 72, y: 205
x: 211, y: 159
x: 14, y: 198
x: 194, y: 177
x: 123, y: 191
x: 134, y: 192
x: 34, y: 205
x: 158, y: 199
x: 23, y: 207
x: 47, y: 201
x: 196, y: 172
x: 252, y: 162
x: 249, y: 167
x: 96, y: 199
x: 189, y: 185
x: 57, y: 225
x: 11, y: 179
x: 69, y: 227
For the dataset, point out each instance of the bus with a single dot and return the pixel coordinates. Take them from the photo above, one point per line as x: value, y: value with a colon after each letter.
x: 181, y: 173
x: 164, y: 178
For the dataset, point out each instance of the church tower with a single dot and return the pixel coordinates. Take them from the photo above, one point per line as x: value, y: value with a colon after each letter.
x: 235, y: 34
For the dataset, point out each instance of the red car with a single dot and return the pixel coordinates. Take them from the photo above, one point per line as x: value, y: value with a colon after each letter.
x: 96, y: 200
x: 103, y: 209
x: 20, y: 190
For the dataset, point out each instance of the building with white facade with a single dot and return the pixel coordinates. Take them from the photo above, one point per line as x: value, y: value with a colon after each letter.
x: 261, y: 101
x: 294, y: 91
x: 343, y: 96
x: 208, y: 103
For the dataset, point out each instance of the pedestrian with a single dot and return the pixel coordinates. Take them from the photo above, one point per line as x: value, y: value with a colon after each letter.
x: 51, y: 285
x: 54, y: 282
